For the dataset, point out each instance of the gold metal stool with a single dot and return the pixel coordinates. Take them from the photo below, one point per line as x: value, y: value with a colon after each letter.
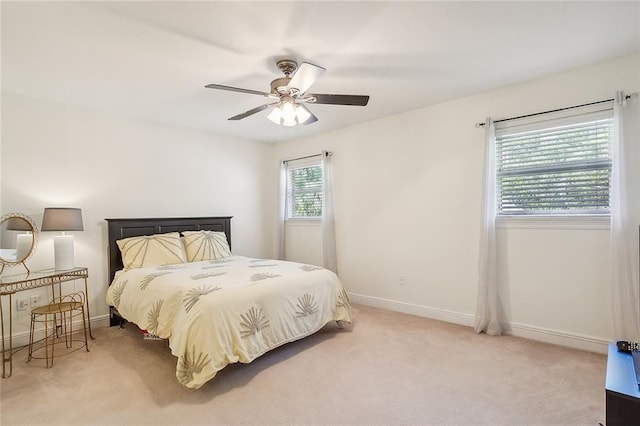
x: 58, y: 317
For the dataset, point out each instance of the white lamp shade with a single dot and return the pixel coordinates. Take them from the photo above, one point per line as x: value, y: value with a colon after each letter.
x: 275, y: 115
x: 302, y: 114
x: 288, y: 113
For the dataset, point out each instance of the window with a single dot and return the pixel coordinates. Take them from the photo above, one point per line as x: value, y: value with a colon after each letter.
x: 554, y: 165
x: 304, y: 189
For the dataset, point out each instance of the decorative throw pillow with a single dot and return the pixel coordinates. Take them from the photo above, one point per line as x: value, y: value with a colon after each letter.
x: 206, y: 245
x: 152, y: 250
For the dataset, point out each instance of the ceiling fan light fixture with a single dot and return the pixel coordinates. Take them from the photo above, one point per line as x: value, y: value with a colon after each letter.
x: 287, y: 113
x: 289, y: 118
x: 302, y: 114
x: 275, y: 115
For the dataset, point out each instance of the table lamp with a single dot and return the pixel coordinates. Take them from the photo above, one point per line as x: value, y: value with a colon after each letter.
x: 62, y: 219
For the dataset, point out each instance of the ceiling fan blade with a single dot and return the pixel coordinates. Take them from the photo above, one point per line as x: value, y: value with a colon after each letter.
x: 237, y: 89
x: 356, y: 100
x: 250, y: 112
x: 305, y: 76
x: 312, y: 118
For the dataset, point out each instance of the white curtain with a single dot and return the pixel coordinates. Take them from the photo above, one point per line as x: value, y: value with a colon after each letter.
x: 329, y: 257
x: 488, y: 310
x: 625, y: 219
x: 282, y: 211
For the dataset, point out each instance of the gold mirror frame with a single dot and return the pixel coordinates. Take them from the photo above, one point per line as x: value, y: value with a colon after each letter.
x: 27, y: 226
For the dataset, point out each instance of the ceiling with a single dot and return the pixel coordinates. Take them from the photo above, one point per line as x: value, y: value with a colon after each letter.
x: 151, y: 60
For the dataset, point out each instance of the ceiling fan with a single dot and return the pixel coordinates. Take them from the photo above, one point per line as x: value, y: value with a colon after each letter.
x: 290, y: 95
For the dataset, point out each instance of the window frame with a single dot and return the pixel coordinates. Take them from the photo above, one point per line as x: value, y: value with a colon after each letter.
x: 558, y: 218
x: 310, y: 162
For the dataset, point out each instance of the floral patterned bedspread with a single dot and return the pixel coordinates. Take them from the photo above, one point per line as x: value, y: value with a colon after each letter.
x: 234, y: 309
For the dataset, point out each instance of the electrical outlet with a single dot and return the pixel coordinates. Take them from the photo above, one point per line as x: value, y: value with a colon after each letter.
x: 34, y: 301
x: 403, y: 280
x: 22, y: 304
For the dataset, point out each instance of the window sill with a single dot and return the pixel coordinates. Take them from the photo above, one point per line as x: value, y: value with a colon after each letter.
x: 303, y: 222
x: 554, y: 222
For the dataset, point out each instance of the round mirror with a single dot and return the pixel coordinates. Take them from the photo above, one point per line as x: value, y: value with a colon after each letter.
x: 18, y: 237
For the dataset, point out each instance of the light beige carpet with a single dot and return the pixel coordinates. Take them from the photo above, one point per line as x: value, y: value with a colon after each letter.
x: 387, y: 369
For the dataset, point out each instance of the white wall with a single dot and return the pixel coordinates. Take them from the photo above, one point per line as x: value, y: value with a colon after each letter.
x: 304, y: 231
x: 407, y: 199
x: 407, y: 203
x: 111, y: 167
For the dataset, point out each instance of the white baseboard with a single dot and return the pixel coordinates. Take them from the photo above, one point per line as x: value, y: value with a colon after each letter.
x: 411, y: 309
x: 22, y: 339
x: 561, y: 338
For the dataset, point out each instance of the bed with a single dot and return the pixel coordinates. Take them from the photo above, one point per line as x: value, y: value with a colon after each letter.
x: 213, y: 307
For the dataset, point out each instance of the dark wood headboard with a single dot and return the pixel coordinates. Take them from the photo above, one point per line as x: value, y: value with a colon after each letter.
x: 125, y: 228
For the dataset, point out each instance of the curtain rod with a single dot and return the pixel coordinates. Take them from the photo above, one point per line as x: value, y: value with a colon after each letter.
x: 307, y: 156
x: 633, y: 95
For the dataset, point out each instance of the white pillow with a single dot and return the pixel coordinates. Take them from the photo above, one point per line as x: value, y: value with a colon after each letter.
x: 152, y: 250
x: 206, y: 245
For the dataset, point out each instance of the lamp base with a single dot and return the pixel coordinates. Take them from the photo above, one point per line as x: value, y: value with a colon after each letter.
x: 63, y: 252
x: 23, y: 246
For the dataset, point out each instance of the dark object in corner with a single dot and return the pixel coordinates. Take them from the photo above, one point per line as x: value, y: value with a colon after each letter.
x: 625, y: 346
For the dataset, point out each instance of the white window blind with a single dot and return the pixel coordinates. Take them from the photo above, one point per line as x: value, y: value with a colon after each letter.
x: 555, y: 164
x: 304, y: 189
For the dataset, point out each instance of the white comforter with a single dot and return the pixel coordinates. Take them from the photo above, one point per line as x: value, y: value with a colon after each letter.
x: 231, y: 310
